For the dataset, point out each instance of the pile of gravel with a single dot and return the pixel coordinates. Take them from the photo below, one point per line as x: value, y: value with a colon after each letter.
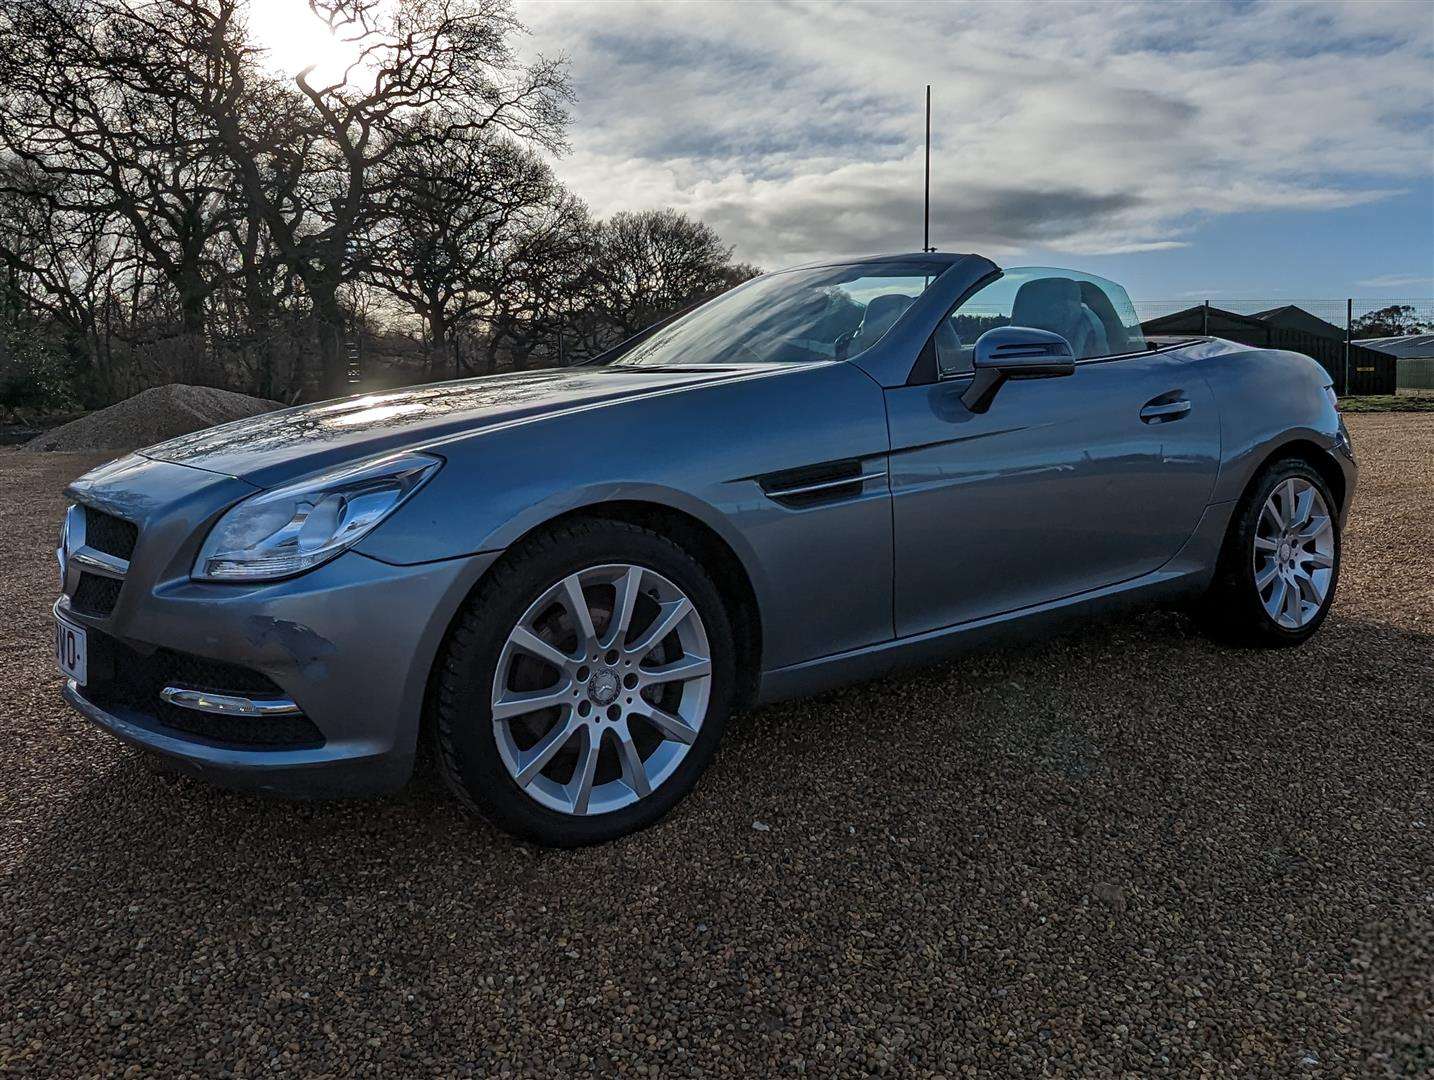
x: 152, y: 416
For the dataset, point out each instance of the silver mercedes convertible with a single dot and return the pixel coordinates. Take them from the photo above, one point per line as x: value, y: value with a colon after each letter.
x: 568, y: 579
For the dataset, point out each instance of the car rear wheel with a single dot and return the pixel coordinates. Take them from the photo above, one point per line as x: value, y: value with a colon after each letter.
x: 586, y: 684
x: 1280, y: 565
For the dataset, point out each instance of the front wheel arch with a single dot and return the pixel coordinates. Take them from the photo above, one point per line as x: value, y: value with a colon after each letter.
x: 717, y: 557
x: 695, y: 536
x: 474, y: 766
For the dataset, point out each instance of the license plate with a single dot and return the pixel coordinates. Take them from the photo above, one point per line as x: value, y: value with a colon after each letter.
x: 71, y: 650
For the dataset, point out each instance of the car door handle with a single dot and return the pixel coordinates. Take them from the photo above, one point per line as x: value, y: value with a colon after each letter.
x: 1162, y: 412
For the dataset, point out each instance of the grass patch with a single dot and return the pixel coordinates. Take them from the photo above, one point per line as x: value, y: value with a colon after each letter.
x: 1418, y: 401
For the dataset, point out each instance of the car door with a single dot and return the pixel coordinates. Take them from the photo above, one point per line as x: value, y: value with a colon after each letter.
x: 1062, y: 486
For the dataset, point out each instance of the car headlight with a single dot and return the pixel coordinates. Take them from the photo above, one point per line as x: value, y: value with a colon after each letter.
x: 284, y: 532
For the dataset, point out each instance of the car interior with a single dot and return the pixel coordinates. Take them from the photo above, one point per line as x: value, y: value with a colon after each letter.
x: 1079, y: 311
x: 880, y: 313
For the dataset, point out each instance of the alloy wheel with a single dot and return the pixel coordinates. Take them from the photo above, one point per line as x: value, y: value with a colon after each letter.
x: 601, y: 689
x: 1294, y: 553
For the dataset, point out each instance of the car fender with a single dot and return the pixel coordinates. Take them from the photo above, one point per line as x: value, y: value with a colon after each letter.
x: 594, y: 496
x: 1268, y: 399
x: 701, y: 452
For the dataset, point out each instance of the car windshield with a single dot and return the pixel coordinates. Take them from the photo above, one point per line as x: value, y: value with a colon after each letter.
x: 794, y: 317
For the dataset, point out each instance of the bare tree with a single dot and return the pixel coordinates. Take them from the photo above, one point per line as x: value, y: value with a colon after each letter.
x: 536, y: 288
x: 66, y: 263
x: 171, y: 206
x: 460, y: 215
x: 648, y: 265
x: 98, y: 94
x: 318, y: 189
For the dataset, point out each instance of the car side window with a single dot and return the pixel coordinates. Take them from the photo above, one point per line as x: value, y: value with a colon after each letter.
x: 1093, y: 314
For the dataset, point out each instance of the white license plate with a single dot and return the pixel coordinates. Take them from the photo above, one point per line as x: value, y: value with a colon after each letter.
x: 70, y: 650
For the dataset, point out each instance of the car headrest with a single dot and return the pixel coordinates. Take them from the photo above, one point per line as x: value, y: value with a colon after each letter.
x: 880, y: 313
x: 1046, y: 304
x: 1118, y: 337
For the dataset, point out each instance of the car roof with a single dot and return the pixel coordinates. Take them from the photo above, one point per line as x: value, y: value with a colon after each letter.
x: 944, y: 258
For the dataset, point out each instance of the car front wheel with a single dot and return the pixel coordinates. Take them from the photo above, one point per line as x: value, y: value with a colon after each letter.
x: 586, y: 684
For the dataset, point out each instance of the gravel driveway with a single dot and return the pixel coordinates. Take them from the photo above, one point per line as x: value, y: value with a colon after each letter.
x: 1122, y: 852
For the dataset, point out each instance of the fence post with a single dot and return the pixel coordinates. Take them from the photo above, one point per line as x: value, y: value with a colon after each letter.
x: 1348, y: 337
x: 1205, y: 319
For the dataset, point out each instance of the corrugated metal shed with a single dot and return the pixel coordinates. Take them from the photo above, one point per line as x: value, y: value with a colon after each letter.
x: 1405, y: 346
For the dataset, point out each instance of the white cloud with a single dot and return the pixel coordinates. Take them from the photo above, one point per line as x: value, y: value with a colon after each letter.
x: 1398, y: 281
x: 795, y: 129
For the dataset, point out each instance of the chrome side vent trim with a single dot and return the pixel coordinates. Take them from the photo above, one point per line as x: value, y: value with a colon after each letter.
x: 813, y: 485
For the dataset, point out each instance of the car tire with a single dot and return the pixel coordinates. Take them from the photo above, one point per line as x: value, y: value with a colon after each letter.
x: 1237, y: 608
x: 480, y: 757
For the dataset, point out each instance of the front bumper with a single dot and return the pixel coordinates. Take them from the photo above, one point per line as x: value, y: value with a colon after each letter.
x: 351, y: 643
x: 318, y: 773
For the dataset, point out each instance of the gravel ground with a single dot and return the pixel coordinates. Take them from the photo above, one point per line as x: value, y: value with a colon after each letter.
x: 151, y: 416
x: 1122, y: 852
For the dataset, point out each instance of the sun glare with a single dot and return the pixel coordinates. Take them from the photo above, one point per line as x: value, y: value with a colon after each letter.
x: 295, y: 38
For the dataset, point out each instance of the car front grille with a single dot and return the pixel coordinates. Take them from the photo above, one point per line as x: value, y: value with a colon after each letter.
x: 96, y: 594
x: 98, y: 549
x: 124, y: 678
x: 112, y: 535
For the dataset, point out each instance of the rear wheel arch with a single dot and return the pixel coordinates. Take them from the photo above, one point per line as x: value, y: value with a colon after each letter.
x: 1313, y: 455
x: 1226, y: 609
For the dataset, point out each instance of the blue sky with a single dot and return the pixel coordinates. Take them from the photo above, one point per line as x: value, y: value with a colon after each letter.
x: 1382, y: 249
x: 1252, y: 149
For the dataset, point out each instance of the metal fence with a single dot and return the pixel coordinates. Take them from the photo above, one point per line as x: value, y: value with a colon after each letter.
x: 1333, y: 332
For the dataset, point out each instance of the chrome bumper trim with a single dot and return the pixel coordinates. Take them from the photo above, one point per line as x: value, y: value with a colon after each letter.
x: 227, y: 704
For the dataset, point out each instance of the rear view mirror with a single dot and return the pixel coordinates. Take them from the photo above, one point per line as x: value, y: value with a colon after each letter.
x: 1015, y: 352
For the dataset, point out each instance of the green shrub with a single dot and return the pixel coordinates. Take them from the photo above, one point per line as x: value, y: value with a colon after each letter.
x: 34, y: 374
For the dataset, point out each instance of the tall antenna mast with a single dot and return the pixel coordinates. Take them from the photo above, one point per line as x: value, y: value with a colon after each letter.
x: 926, y: 212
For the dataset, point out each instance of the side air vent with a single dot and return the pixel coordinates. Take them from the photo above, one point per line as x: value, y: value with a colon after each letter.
x: 816, y: 485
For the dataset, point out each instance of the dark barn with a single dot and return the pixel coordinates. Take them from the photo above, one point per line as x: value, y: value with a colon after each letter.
x: 1292, y: 328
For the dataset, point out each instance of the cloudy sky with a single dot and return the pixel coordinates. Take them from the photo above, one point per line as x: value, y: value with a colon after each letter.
x: 1240, y: 149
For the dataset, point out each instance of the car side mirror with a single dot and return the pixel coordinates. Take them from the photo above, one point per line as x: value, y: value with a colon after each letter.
x: 1015, y: 352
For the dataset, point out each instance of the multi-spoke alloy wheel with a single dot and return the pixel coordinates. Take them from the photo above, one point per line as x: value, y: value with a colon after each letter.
x: 601, y: 688
x: 586, y: 683
x: 1294, y: 553
x: 1279, y: 567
